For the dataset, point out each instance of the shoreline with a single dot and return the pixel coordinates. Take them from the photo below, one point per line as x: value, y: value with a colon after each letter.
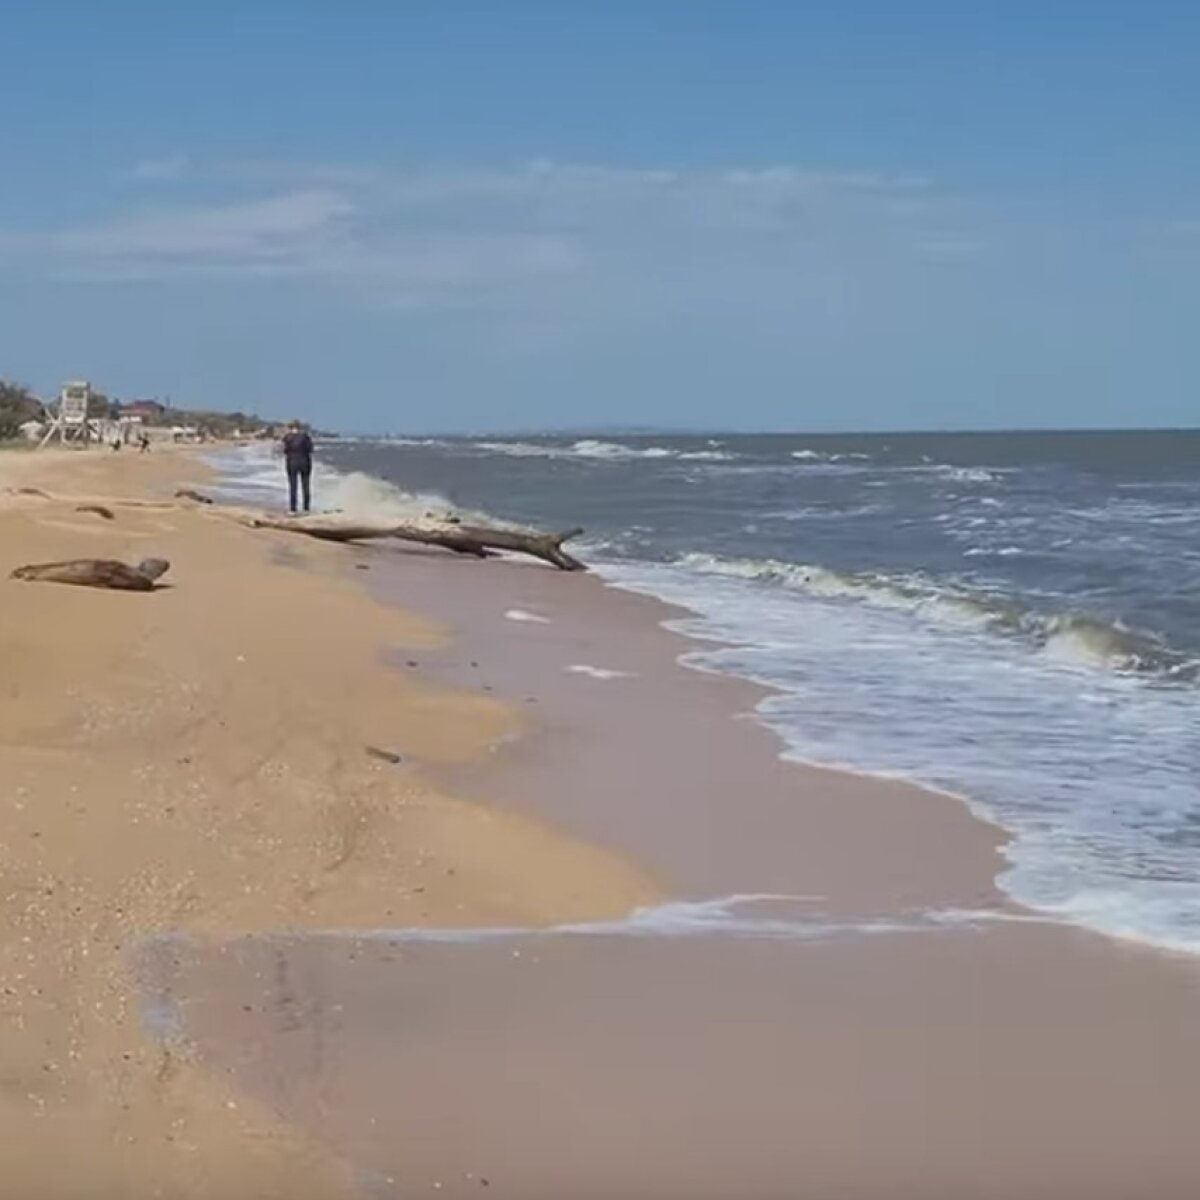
x: 623, y: 631
x: 668, y: 616
x: 674, y: 615
x: 1027, y: 874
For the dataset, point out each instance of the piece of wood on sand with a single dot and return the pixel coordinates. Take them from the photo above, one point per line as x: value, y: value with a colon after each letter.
x: 448, y: 532
x: 481, y: 541
x: 97, y: 572
x: 93, y: 502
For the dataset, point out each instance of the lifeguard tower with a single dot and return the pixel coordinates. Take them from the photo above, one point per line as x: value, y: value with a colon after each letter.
x: 70, y: 423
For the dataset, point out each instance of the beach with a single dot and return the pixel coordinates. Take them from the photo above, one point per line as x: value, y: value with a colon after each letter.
x: 588, y: 934
x: 193, y: 761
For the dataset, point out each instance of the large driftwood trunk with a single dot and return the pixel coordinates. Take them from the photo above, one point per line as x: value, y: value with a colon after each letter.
x: 481, y: 541
x: 477, y: 540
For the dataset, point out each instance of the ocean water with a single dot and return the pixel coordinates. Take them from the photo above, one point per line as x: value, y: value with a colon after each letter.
x: 1012, y: 617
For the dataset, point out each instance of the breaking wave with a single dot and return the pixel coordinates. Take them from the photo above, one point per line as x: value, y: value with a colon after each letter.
x: 857, y: 464
x: 807, y: 455
x: 351, y: 439
x: 963, y: 474
x: 1076, y: 638
x: 591, y: 448
x: 255, y: 475
x: 368, y: 498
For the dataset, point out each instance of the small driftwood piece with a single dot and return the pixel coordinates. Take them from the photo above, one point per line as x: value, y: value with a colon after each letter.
x: 196, y: 497
x: 98, y: 572
x: 99, y: 509
x: 477, y: 540
x: 387, y: 756
x: 109, y: 502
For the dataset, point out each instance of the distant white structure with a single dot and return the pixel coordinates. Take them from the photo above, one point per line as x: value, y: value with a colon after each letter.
x: 70, y: 421
x: 32, y: 431
x: 124, y: 431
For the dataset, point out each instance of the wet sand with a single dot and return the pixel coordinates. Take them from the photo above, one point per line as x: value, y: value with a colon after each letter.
x: 941, y: 1066
x: 867, y: 1051
x: 665, y: 763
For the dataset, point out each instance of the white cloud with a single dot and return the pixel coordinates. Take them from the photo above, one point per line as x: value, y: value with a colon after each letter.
x: 272, y: 227
x: 628, y: 238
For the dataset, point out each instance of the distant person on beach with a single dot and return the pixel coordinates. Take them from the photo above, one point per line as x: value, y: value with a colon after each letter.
x: 144, y: 444
x: 297, y: 457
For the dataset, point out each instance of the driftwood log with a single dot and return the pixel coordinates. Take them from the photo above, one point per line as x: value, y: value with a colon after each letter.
x: 98, y: 572
x: 478, y: 540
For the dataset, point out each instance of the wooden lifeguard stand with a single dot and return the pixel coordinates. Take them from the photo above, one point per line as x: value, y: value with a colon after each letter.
x: 70, y: 423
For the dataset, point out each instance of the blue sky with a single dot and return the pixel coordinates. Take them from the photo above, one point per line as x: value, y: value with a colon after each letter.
x: 453, y: 215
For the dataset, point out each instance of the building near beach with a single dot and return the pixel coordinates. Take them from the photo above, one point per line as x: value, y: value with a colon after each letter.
x: 148, y: 410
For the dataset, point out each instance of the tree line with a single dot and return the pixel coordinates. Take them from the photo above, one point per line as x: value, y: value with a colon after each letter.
x: 17, y: 405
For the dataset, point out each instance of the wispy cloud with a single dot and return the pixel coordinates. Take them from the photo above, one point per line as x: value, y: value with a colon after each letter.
x: 476, y: 235
x: 274, y: 227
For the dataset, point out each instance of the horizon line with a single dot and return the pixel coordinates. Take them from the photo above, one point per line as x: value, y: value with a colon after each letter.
x: 707, y: 431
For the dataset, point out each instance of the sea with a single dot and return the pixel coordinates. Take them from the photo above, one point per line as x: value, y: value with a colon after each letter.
x: 1013, y: 617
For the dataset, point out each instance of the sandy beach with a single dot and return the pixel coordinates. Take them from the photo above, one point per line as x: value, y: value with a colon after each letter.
x: 216, y: 979
x: 193, y: 761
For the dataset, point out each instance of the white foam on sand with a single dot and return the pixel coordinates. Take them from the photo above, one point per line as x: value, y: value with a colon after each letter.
x: 519, y: 614
x: 1047, y: 727
x: 742, y: 915
x: 598, y: 672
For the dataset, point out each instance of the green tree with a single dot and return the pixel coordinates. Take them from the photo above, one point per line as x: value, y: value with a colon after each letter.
x: 17, y: 405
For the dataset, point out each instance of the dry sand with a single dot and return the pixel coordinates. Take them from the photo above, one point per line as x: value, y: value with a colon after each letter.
x: 193, y: 760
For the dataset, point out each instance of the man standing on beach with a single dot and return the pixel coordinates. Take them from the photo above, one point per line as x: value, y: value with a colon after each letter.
x: 297, y: 455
